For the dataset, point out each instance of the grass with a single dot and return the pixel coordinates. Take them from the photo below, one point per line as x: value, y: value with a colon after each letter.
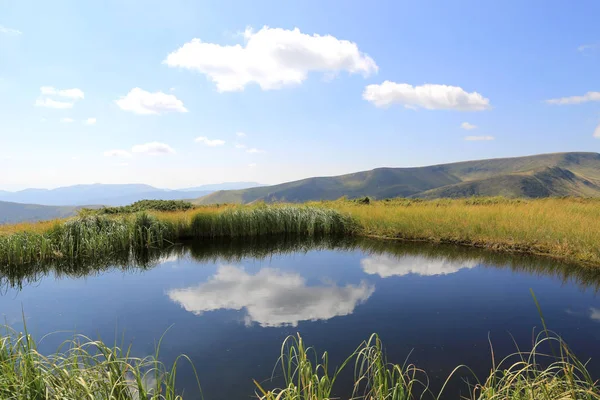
x: 564, y: 228
x: 524, y: 375
x: 81, y: 369
x: 97, y: 236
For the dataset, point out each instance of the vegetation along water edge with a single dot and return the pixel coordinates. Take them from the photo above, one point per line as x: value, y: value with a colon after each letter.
x: 563, y: 228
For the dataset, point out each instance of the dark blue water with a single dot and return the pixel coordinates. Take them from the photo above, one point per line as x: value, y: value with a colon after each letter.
x: 229, y: 307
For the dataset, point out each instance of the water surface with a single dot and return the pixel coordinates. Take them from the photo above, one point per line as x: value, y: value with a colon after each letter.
x: 229, y: 306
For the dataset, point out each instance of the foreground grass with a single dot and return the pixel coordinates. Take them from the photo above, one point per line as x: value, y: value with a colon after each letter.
x: 567, y: 228
x: 81, y: 369
x: 89, y: 369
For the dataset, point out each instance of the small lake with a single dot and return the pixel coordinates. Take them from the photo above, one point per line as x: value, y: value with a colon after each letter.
x: 229, y: 306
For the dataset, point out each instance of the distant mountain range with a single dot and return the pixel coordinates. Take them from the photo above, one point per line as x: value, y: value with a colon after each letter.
x: 558, y: 174
x: 18, y: 212
x: 111, y: 195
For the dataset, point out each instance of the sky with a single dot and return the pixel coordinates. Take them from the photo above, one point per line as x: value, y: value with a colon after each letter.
x: 181, y: 93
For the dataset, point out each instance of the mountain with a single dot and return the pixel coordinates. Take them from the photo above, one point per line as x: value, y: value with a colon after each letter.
x: 17, y: 212
x: 110, y: 194
x: 223, y: 186
x: 558, y: 174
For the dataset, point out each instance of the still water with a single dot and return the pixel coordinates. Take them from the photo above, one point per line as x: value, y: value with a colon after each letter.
x: 229, y: 306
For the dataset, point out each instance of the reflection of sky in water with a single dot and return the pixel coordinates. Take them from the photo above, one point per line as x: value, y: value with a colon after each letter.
x: 230, y: 314
x: 271, y: 297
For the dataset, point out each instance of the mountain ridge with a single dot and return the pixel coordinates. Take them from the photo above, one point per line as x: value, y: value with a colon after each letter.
x: 578, y: 174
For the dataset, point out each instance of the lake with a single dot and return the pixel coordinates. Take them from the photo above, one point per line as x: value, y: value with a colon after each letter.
x: 229, y: 306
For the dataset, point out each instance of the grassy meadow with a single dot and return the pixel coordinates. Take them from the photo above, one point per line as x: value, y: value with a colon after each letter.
x: 564, y: 228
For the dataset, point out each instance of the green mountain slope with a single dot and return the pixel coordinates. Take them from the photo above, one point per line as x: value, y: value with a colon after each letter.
x: 560, y: 174
x: 17, y: 212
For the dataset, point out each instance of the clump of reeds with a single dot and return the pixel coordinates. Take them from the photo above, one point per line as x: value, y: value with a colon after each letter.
x: 265, y: 220
x: 308, y: 378
x: 86, y: 369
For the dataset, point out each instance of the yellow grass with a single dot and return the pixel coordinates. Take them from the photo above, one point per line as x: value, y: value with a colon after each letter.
x: 562, y: 228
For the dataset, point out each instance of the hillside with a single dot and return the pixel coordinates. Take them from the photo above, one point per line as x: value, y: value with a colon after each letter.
x: 559, y: 174
x: 17, y: 212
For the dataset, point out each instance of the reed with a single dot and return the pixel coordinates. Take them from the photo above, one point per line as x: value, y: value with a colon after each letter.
x: 85, y: 369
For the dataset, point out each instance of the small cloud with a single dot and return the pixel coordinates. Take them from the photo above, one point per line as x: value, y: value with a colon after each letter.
x: 75, y: 158
x: 117, y: 153
x: 254, y: 150
x: 209, y: 142
x: 74, y: 93
x: 252, y: 165
x: 67, y: 120
x: 597, y: 132
x: 240, y: 134
x: 90, y: 121
x: 153, y: 148
x: 141, y: 102
x: 589, y: 96
x: 595, y: 314
x: 171, y: 89
x: 428, y: 96
x: 123, y: 164
x: 43, y: 119
x: 49, y: 103
x: 10, y: 31
x: 239, y: 145
x: 468, y: 126
x: 479, y: 138
x: 588, y: 47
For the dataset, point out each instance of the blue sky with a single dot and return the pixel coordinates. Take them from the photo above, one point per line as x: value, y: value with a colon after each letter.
x: 156, y: 92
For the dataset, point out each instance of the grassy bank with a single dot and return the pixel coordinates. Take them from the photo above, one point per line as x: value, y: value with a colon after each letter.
x: 566, y: 228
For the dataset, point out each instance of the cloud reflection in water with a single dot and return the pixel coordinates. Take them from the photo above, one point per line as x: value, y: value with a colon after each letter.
x: 386, y: 266
x: 271, y: 298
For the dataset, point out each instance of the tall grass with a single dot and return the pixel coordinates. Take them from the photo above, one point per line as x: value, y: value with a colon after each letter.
x: 95, y: 236
x: 308, y: 377
x: 85, y: 369
x: 567, y: 228
x: 524, y: 375
x: 261, y: 221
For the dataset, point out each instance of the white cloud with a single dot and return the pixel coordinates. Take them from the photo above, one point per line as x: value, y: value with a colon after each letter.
x: 90, y: 121
x: 479, y: 138
x: 117, y: 153
x: 386, y: 266
x: 67, y: 120
x: 239, y: 145
x: 74, y: 93
x: 271, y: 58
x: 254, y: 150
x: 428, y: 96
x: 9, y: 31
x: 252, y: 165
x: 589, y: 96
x: 588, y: 47
x: 153, y: 148
x: 209, y: 142
x: 597, y: 132
x: 140, y: 101
x: 49, y: 103
x: 468, y: 126
x: 595, y: 314
x: 270, y: 297
x: 240, y: 134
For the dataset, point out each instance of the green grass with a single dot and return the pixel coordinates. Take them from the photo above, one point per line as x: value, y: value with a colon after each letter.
x: 145, y: 205
x: 81, y: 369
